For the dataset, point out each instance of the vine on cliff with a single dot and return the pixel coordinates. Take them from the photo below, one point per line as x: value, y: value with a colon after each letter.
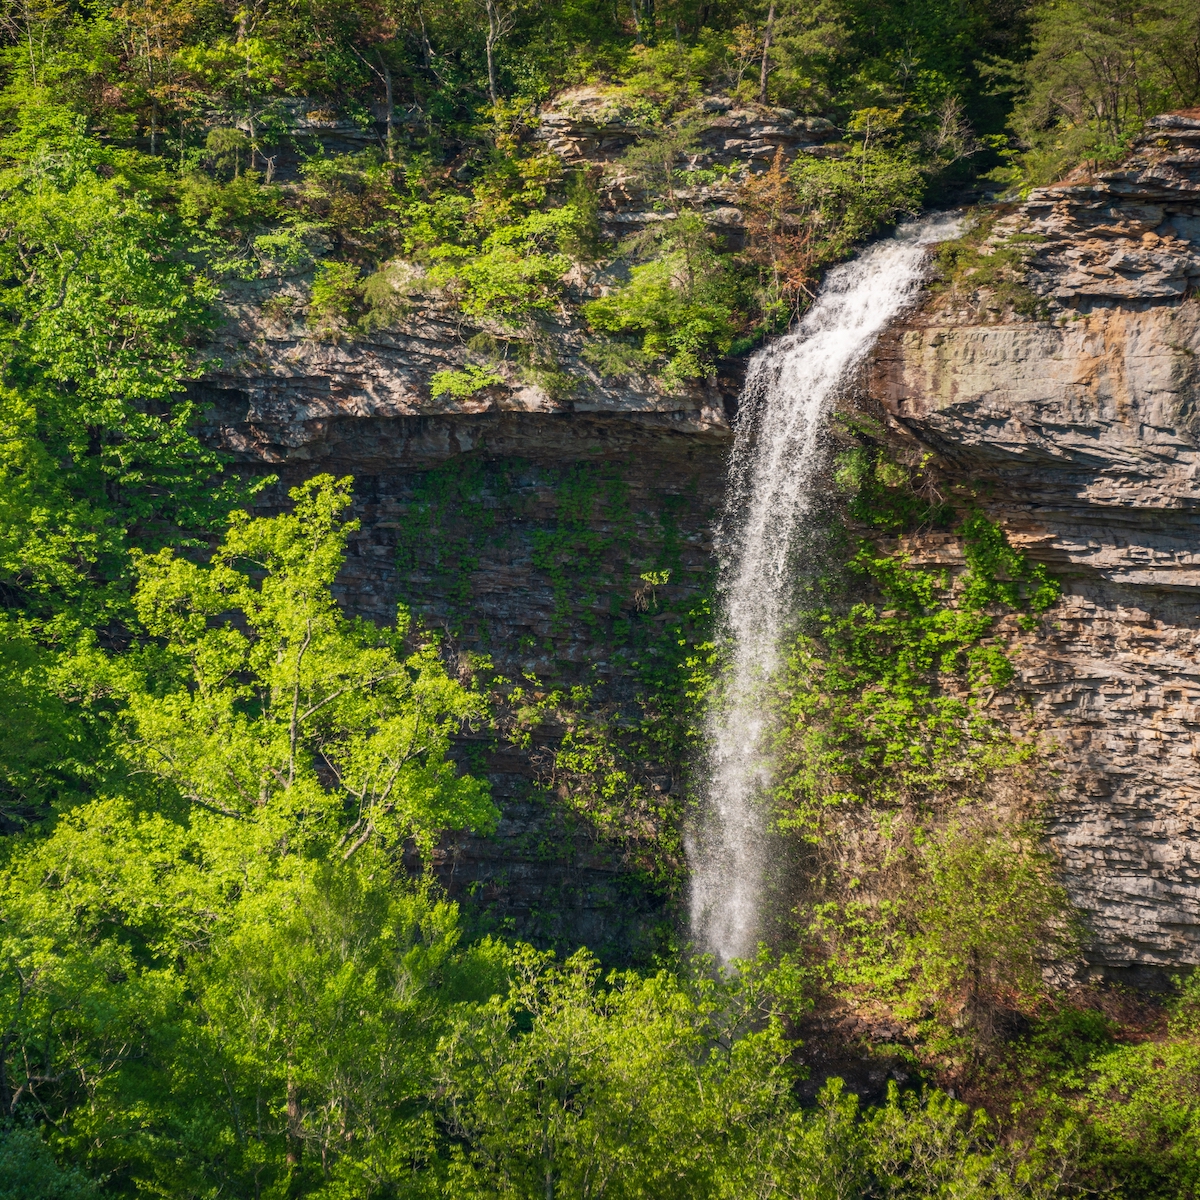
x: 613, y: 764
x: 928, y: 889
x: 894, y: 665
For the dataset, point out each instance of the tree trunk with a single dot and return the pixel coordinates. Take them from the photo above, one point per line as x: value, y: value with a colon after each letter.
x: 766, y: 65
x: 391, y: 107
x: 426, y: 48
x: 493, y: 35
x: 293, y: 1124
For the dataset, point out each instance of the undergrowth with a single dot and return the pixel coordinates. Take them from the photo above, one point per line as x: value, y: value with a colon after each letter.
x: 989, y: 269
x: 928, y: 888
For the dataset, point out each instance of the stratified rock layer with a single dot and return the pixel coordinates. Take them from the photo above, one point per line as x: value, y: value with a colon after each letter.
x: 1080, y: 428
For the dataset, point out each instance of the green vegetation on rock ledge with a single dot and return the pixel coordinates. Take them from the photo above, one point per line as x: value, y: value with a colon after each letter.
x: 927, y: 887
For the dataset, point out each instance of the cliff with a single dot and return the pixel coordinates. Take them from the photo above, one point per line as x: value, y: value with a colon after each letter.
x: 525, y: 519
x: 1075, y: 426
x: 518, y: 521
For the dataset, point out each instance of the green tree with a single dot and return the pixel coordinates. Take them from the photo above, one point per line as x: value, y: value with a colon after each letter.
x: 1099, y: 70
x: 670, y: 1085
x: 28, y: 1170
x: 296, y: 713
x: 96, y: 434
x: 209, y: 966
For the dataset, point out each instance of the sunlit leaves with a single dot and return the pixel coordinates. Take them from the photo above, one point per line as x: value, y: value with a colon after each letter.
x: 268, y: 688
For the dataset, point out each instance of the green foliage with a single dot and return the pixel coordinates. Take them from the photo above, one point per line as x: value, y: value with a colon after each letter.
x: 972, y: 922
x: 231, y: 207
x: 461, y: 384
x: 851, y: 197
x: 351, y: 199
x: 241, y: 712
x: 654, y: 161
x: 244, y: 958
x: 613, y: 358
x: 682, y: 302
x: 886, y: 699
x: 880, y: 493
x: 227, y: 149
x: 28, y: 1170
x: 936, y: 907
x: 672, y: 1086
x: 98, y: 452
x: 336, y: 289
x: 599, y: 767
x: 1142, y: 1102
x: 96, y: 435
x: 979, y: 261
x: 515, y: 271
x: 803, y: 217
x: 1099, y: 69
x: 580, y: 562
x: 385, y: 297
x: 614, y: 1085
x: 1125, y: 1090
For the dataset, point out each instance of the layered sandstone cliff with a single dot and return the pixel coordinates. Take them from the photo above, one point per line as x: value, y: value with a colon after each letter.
x: 1077, y: 427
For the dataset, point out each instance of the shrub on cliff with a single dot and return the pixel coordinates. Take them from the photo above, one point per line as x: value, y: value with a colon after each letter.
x: 681, y: 302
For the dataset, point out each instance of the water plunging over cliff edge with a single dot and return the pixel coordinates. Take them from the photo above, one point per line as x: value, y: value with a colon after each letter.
x: 790, y: 387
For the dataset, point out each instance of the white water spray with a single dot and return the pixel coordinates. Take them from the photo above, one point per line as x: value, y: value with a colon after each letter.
x: 777, y: 455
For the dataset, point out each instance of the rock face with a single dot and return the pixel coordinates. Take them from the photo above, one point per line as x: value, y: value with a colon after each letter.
x: 1077, y: 423
x: 1079, y: 426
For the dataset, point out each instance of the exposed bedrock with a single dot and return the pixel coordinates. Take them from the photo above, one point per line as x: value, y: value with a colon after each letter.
x: 1081, y: 428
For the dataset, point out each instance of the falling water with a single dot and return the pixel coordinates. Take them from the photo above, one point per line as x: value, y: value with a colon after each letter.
x: 777, y: 455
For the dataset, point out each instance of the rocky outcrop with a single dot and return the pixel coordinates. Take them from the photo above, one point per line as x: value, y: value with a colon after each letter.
x: 1074, y: 421
x: 1077, y: 427
x: 590, y: 125
x: 590, y: 128
x: 278, y: 391
x: 275, y: 393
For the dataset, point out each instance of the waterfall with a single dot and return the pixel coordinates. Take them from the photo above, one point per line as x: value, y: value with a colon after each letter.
x: 778, y: 453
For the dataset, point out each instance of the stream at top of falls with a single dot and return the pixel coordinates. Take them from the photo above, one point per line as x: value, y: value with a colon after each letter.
x: 776, y: 466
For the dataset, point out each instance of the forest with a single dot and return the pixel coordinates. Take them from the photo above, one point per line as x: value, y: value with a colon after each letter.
x: 226, y: 968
